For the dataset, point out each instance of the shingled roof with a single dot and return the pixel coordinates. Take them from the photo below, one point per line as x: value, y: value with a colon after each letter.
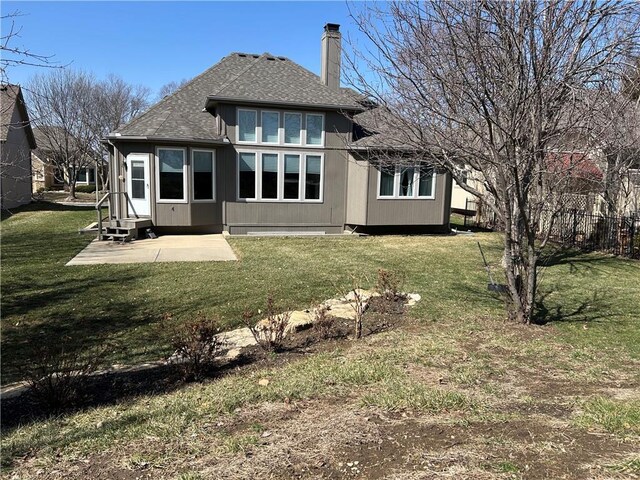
x: 239, y: 78
x: 10, y: 99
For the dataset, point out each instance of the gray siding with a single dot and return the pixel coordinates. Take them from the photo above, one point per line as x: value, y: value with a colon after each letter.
x: 198, y: 214
x: 409, y: 212
x: 241, y: 216
x: 15, y: 183
x: 357, y: 188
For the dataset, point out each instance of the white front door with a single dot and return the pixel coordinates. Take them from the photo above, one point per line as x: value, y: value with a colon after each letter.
x: 138, y: 184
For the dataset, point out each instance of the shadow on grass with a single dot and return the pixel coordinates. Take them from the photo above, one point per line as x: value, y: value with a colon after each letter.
x: 110, y: 388
x: 588, y: 310
x: 42, y: 206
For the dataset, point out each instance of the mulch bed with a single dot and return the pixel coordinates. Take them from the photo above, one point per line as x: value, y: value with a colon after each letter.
x: 115, y: 387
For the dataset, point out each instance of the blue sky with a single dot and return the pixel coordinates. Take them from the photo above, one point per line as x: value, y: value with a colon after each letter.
x: 153, y: 43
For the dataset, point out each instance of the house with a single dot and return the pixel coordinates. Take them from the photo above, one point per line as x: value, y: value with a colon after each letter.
x: 16, y: 143
x: 257, y: 143
x: 49, y: 174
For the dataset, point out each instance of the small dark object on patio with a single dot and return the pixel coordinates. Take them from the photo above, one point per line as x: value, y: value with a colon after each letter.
x: 150, y: 233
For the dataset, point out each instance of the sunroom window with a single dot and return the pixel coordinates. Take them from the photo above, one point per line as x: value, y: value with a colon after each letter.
x: 171, y: 174
x: 203, y: 174
x: 406, y: 182
x: 387, y: 177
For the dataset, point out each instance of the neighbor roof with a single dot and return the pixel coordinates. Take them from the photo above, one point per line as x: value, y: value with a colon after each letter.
x: 239, y: 78
x: 11, y: 98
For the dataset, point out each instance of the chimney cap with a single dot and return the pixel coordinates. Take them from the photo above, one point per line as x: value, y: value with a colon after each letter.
x: 332, y: 27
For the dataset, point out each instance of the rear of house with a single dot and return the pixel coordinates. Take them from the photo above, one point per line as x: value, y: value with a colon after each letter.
x: 259, y: 144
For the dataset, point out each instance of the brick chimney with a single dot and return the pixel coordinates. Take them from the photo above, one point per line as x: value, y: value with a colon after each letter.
x: 331, y: 51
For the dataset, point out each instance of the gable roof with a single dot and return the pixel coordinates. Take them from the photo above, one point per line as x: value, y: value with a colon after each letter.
x: 10, y: 99
x: 239, y: 78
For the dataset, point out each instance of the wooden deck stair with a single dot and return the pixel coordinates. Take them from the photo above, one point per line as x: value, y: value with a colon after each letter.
x: 125, y: 229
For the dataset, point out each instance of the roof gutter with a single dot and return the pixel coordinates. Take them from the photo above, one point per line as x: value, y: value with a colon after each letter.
x: 213, y: 100
x: 144, y: 138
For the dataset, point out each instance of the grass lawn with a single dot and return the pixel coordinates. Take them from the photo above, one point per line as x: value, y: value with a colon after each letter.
x: 457, y: 390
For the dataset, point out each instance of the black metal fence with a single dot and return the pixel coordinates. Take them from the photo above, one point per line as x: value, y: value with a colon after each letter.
x: 576, y: 228
x: 589, y: 232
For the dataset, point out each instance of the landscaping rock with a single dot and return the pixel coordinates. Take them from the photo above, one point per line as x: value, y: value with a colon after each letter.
x: 300, y: 319
x: 412, y: 299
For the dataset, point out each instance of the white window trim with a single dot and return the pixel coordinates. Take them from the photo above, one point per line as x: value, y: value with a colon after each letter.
x: 284, y: 135
x: 255, y: 130
x: 322, y: 131
x: 280, y: 129
x: 185, y: 194
x: 304, y: 184
x: 213, y: 176
x: 302, y: 167
x: 396, y: 185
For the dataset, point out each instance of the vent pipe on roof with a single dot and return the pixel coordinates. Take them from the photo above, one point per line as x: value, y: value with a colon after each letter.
x: 331, y: 51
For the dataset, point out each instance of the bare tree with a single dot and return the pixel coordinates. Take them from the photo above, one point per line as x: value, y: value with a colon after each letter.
x: 60, y: 104
x: 115, y: 102
x: 12, y: 55
x: 73, y: 112
x: 500, y: 87
x: 172, y: 86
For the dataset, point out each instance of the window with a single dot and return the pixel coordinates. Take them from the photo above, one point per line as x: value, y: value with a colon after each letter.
x: 247, y: 126
x: 291, y: 177
x: 314, y: 129
x: 270, y: 127
x: 203, y: 172
x: 270, y: 176
x: 425, y: 187
x: 292, y: 127
x: 313, y: 175
x: 137, y: 179
x: 283, y: 177
x: 387, y: 176
x: 171, y: 174
x: 247, y: 175
x: 92, y: 175
x: 406, y: 182
x: 81, y: 177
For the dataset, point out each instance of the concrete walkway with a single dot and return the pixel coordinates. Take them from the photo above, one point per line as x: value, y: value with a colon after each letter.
x: 165, y: 248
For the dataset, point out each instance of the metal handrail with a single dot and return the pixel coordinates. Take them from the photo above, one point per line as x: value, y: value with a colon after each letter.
x: 107, y: 197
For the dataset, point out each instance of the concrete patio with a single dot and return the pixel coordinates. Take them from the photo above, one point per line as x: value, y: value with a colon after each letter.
x: 165, y: 248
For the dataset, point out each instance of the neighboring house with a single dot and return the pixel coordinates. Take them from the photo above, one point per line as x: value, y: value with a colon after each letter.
x: 257, y: 143
x: 16, y: 143
x: 46, y: 174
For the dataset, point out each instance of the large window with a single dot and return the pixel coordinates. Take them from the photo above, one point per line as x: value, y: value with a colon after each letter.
x: 313, y: 177
x: 276, y: 128
x: 406, y: 182
x: 315, y: 129
x: 204, y: 176
x: 247, y: 175
x: 171, y: 177
x: 270, y: 176
x: 247, y: 125
x: 270, y: 127
x: 286, y: 177
x: 291, y: 177
x: 292, y: 128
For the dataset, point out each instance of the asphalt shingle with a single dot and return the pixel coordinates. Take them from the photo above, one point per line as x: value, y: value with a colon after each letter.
x: 238, y: 77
